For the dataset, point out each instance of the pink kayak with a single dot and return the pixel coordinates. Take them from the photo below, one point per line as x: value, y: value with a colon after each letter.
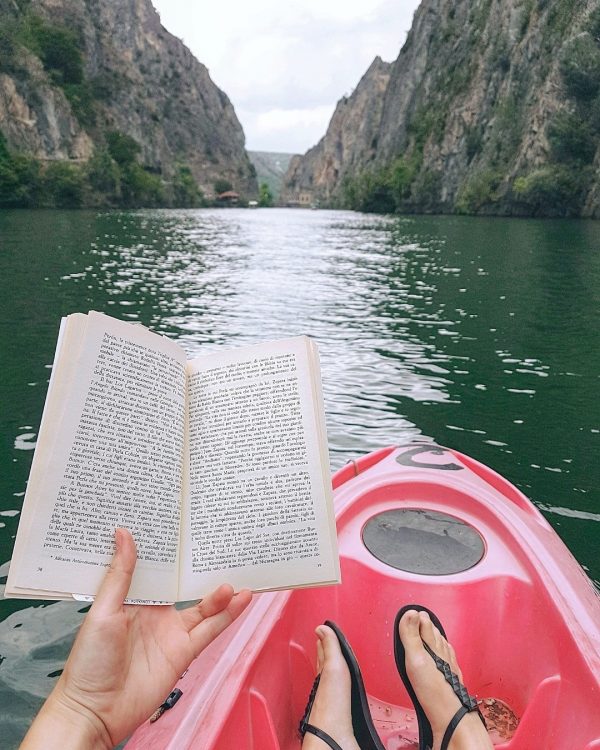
x: 416, y: 524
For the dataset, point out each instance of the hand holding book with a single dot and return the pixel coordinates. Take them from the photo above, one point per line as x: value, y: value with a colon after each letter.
x: 125, y: 660
x: 218, y: 466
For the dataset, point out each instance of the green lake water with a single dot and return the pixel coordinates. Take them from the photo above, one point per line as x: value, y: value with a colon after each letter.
x: 481, y: 334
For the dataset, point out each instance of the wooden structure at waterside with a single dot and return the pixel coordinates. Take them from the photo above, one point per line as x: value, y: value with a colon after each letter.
x: 228, y: 198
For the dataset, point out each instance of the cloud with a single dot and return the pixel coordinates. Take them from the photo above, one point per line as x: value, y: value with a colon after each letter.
x: 286, y: 130
x: 296, y: 57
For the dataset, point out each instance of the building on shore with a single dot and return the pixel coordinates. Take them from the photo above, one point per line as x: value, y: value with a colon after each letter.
x: 228, y: 198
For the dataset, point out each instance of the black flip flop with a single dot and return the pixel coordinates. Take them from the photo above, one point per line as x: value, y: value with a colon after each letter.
x: 362, y: 723
x: 468, y: 703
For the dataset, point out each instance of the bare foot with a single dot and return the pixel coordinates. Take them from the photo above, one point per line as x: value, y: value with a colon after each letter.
x: 331, y: 710
x: 435, y: 695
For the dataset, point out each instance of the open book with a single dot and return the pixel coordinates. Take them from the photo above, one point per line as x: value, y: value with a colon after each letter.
x: 218, y: 466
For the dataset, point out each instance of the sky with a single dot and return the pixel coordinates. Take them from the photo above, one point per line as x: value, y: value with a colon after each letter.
x: 285, y: 63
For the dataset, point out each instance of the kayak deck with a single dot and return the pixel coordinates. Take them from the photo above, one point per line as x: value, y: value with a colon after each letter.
x: 524, y: 619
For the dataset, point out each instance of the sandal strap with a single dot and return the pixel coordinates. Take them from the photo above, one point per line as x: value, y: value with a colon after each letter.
x: 469, y: 703
x: 322, y: 736
x: 309, y: 704
x: 454, y: 721
x: 452, y: 679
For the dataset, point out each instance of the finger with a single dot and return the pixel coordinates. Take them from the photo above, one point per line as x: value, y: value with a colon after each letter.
x: 116, y: 582
x: 212, y: 626
x: 216, y: 601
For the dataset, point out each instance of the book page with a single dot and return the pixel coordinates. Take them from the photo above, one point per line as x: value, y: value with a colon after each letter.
x: 116, y: 459
x: 70, y: 336
x: 258, y: 510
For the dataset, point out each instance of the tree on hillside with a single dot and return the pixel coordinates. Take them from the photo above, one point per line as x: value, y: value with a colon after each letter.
x: 123, y: 148
x: 265, y: 196
x: 222, y: 186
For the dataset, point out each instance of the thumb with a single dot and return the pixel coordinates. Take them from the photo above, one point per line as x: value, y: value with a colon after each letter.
x: 117, y: 580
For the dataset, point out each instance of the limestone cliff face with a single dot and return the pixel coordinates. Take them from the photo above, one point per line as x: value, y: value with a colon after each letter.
x: 35, y: 115
x: 483, y: 112
x: 145, y: 83
x: 350, y: 142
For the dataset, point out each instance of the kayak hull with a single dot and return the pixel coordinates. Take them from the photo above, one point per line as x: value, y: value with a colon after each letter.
x: 521, y: 613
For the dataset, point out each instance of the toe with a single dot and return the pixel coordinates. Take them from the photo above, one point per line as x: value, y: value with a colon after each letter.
x: 429, y: 633
x: 333, y: 659
x: 438, y: 644
x: 320, y: 656
x: 408, y: 630
x: 331, y: 711
x: 434, y: 639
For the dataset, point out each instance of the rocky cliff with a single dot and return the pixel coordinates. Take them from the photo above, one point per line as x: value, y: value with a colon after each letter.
x: 73, y: 75
x: 492, y: 106
x: 349, y: 144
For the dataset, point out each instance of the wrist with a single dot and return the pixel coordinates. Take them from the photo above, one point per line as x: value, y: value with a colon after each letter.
x: 64, y: 723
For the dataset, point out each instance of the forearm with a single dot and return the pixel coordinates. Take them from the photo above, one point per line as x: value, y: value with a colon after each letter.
x: 64, y: 725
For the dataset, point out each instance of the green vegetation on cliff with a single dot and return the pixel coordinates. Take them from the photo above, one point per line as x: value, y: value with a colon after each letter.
x: 60, y: 50
x: 112, y: 177
x: 559, y: 187
x: 19, y: 178
x: 265, y: 196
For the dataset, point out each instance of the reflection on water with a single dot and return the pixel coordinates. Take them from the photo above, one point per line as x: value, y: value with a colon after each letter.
x: 477, y: 333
